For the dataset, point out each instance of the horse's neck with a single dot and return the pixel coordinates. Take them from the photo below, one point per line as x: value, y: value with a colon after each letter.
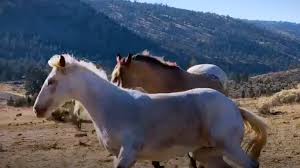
x: 169, y: 79
x: 156, y: 72
x: 99, y: 96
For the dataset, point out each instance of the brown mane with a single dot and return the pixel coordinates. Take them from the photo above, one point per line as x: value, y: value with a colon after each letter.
x: 156, y: 61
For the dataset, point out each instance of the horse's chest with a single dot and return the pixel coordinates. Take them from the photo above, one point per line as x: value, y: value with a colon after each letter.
x: 109, y: 141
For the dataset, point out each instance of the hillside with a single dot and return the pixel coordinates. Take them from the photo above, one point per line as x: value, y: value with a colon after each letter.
x: 289, y: 29
x: 265, y: 84
x: 33, y: 30
x: 235, y: 45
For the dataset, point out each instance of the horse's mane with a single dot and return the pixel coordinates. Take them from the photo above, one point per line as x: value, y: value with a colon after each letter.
x: 71, y: 61
x: 155, y: 60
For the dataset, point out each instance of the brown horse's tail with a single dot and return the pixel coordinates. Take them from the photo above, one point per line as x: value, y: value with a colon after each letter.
x: 259, y: 126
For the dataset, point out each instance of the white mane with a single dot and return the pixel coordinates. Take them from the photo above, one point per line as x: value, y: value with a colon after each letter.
x: 71, y: 61
x: 146, y: 52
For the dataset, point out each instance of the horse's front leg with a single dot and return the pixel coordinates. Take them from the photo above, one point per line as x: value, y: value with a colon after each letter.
x: 126, y: 158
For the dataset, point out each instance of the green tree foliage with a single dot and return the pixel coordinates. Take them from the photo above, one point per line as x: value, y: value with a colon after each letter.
x: 34, y: 30
x: 14, y: 69
x: 285, y: 28
x: 31, y: 31
x: 34, y: 80
x: 236, y: 45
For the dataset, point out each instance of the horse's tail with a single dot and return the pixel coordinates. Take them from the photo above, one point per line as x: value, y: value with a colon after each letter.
x: 259, y: 126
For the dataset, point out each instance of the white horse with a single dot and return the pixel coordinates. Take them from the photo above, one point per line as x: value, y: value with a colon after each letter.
x: 210, y: 69
x: 138, y: 126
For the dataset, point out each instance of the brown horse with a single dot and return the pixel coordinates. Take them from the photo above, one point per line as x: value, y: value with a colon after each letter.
x: 155, y: 75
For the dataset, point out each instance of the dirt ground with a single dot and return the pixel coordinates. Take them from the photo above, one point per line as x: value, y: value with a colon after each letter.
x: 26, y: 141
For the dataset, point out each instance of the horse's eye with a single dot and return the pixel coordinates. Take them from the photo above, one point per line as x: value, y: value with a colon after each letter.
x: 51, y: 82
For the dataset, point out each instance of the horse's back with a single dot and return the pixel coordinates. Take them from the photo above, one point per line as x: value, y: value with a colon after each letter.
x: 203, y: 96
x: 220, y: 113
x: 204, y: 110
x: 209, y: 69
x: 203, y: 81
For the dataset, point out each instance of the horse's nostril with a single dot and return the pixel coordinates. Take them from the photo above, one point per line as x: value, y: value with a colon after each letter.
x: 38, y: 109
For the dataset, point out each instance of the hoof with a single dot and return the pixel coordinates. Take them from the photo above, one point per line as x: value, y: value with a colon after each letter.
x: 156, y: 164
x: 255, y: 164
x: 193, y: 163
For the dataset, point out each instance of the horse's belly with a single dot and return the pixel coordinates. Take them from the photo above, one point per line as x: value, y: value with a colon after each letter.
x: 165, y: 154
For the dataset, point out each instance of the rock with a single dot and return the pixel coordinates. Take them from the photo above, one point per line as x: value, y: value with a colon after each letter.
x: 107, y: 160
x: 296, y: 118
x: 19, y: 115
x: 83, y: 144
x: 81, y: 135
x: 277, y: 113
x: 109, y: 155
x: 2, y: 149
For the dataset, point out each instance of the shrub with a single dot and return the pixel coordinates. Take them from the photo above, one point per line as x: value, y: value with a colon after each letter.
x: 264, y: 108
x: 21, y: 102
x: 280, y: 98
x: 286, y: 97
x: 61, y: 114
x: 10, y: 101
x: 64, y: 113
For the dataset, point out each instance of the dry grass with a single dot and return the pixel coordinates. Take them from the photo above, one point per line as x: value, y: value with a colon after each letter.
x: 265, y: 104
x: 28, y: 141
x: 264, y: 85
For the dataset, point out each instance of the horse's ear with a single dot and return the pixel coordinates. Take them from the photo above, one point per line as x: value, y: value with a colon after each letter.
x: 98, y: 66
x: 128, y: 59
x: 62, y: 61
x: 118, y: 58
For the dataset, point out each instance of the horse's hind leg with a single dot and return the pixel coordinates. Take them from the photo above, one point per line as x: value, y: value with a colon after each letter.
x: 193, y: 163
x: 236, y: 155
x: 78, y: 124
x: 231, y: 150
x: 126, y: 158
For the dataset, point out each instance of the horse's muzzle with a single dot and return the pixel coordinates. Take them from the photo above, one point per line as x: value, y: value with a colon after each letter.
x: 39, y: 111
